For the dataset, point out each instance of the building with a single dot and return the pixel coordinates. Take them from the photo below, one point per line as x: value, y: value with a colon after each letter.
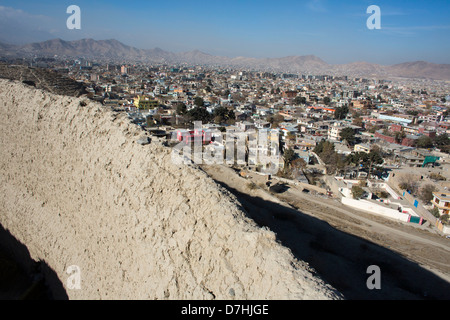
x: 334, y: 131
x: 322, y: 108
x: 396, y: 128
x: 190, y: 136
x: 431, y: 117
x: 359, y: 104
x: 245, y: 126
x: 159, y: 90
x: 402, y: 119
x: 146, y: 103
x: 260, y: 124
x: 441, y: 201
x: 362, y: 147
x: 305, y: 144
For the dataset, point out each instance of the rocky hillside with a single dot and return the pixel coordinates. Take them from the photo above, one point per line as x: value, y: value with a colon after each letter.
x: 77, y: 189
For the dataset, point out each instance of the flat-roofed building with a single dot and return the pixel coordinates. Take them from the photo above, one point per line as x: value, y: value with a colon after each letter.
x: 362, y: 147
x: 146, y: 103
x: 441, y: 201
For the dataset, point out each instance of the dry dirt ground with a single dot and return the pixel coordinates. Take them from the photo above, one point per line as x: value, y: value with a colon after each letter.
x: 340, y: 242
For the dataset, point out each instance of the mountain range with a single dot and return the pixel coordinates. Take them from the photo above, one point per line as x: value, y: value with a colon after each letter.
x: 114, y: 50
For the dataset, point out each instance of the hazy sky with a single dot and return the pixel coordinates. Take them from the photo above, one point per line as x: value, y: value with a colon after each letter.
x: 334, y: 30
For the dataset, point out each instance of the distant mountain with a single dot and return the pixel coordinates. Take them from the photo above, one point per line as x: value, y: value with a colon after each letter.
x: 362, y: 69
x: 111, y: 49
x: 421, y: 69
x: 287, y: 64
x: 198, y: 57
x: 115, y: 50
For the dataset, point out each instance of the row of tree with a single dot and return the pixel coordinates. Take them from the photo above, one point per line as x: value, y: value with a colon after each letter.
x: 335, y: 161
x: 199, y: 113
x: 441, y: 141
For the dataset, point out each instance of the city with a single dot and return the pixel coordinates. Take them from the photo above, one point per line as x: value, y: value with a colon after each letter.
x: 400, y: 124
x: 275, y: 151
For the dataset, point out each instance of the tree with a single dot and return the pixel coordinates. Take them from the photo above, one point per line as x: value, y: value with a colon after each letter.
x: 368, y: 160
x: 181, y: 109
x: 382, y: 194
x: 223, y: 114
x: 357, y: 192
x: 441, y: 140
x: 298, y: 167
x: 288, y: 157
x: 356, y: 158
x: 326, y: 100
x: 299, y: 100
x: 199, y: 114
x: 324, y: 146
x: 199, y: 102
x: 424, y: 142
x: 275, y: 120
x: 348, y: 134
x: 327, y: 153
x: 299, y: 163
x: 291, y: 138
x: 435, y: 212
x: 412, y: 112
x: 445, y: 219
x: 341, y: 112
x: 426, y: 193
x: 399, y: 136
x: 374, y: 157
x: 372, y: 128
x: 358, y: 121
x: 409, y: 182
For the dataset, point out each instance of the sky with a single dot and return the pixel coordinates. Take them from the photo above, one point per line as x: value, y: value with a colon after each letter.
x: 334, y: 30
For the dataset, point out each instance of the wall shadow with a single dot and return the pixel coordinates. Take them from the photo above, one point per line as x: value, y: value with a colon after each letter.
x: 342, y: 259
x: 21, y: 277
